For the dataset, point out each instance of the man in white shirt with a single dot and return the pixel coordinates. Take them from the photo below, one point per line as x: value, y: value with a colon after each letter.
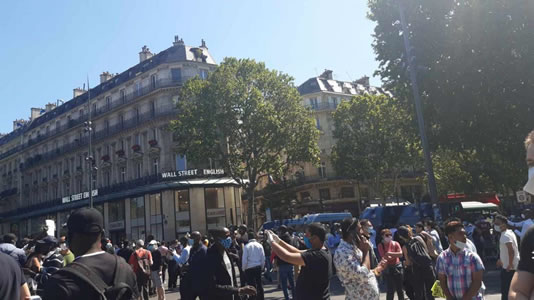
x: 253, y: 262
x: 509, y: 254
x: 524, y: 225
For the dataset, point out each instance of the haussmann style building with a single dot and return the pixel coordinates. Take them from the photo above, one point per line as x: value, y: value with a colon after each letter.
x: 140, y: 183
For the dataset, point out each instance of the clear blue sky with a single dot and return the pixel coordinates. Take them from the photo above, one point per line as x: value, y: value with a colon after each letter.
x: 50, y: 47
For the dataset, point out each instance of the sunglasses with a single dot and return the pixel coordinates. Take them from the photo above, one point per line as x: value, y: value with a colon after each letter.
x: 387, y: 235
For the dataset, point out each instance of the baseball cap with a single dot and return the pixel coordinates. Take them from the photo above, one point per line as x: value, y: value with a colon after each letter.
x: 85, y: 220
x: 140, y: 243
x: 153, y: 242
x: 48, y: 240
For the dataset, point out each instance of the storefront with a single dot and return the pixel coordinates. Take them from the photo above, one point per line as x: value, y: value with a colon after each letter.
x: 167, y: 208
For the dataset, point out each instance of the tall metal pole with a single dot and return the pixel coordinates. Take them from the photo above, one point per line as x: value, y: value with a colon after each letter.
x: 410, y: 59
x: 90, y: 158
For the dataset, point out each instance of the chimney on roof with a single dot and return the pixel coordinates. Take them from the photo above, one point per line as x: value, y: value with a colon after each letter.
x: 178, y: 41
x: 363, y: 81
x: 50, y: 107
x: 18, y: 123
x: 203, y: 44
x: 105, y: 76
x: 327, y: 74
x: 145, y: 54
x: 36, y: 112
x: 77, y: 92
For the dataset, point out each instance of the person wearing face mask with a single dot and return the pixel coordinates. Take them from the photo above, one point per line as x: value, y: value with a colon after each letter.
x: 392, y: 252
x: 194, y: 271
x: 509, y: 254
x: 220, y: 281
x: 313, y: 282
x: 459, y: 270
x: 353, y: 264
x: 524, y: 225
x: 370, y: 233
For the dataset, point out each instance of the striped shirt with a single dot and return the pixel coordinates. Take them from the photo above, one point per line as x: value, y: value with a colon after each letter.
x: 459, y: 269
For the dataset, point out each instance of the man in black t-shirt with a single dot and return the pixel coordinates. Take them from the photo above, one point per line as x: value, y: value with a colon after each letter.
x: 125, y: 251
x: 313, y: 282
x: 85, y: 229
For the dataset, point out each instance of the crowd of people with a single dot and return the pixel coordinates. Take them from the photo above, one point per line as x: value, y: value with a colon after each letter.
x: 234, y: 262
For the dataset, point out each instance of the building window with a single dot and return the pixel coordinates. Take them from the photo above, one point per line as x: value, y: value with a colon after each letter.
x: 203, y: 74
x: 108, y: 102
x: 156, y: 217
x: 313, y: 103
x: 106, y: 125
x: 176, y: 74
x: 137, y: 113
x: 107, y: 178
x: 347, y: 192
x: 153, y: 108
x: 215, y: 211
x: 324, y: 194
x: 138, y: 88
x: 137, y: 139
x: 123, y: 96
x: 137, y: 216
x: 139, y: 170
x: 123, y: 174
x: 155, y: 134
x: 121, y: 121
x: 305, y: 196
x: 94, y: 108
x: 181, y: 163
x: 334, y: 101
x: 318, y: 123
x: 67, y: 189
x: 182, y: 207
x: 156, y: 166
x: 153, y: 81
x: 321, y: 170
x: 116, y: 211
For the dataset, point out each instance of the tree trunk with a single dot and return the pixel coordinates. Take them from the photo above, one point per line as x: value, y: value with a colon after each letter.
x: 251, y: 212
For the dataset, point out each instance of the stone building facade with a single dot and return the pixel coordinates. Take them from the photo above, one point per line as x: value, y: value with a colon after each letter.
x: 140, y: 184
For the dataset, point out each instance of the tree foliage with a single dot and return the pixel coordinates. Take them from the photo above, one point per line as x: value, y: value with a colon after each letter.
x: 476, y: 74
x: 375, y: 139
x: 248, y: 117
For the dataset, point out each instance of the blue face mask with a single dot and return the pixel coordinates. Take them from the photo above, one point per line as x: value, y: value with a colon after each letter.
x: 307, y: 242
x: 226, y: 243
x: 190, y: 242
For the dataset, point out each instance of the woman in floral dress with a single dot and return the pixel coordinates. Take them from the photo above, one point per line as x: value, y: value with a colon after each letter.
x: 353, y: 268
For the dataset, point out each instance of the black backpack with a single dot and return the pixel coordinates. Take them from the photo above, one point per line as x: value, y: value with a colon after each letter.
x: 418, y: 252
x: 118, y: 291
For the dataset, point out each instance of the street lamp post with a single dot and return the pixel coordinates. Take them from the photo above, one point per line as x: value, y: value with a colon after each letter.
x: 89, y: 158
x: 410, y: 60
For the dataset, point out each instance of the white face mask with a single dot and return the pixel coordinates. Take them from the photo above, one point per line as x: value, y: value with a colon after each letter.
x: 497, y: 228
x: 387, y: 239
x: 460, y: 245
x: 427, y: 229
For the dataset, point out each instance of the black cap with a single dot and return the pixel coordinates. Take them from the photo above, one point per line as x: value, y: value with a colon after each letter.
x: 85, y: 220
x: 48, y: 240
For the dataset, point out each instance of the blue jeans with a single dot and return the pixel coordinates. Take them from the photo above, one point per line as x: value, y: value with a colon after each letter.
x: 286, y: 274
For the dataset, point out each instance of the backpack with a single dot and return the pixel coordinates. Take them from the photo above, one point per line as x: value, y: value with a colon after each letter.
x: 118, y: 291
x: 143, y: 268
x: 418, y: 253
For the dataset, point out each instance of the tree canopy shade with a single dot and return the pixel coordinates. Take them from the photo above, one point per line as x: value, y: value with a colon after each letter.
x: 476, y: 74
x: 247, y: 117
x: 375, y: 139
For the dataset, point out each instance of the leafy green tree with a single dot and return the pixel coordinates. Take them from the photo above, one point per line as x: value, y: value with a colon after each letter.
x: 475, y: 71
x: 248, y: 117
x: 375, y: 140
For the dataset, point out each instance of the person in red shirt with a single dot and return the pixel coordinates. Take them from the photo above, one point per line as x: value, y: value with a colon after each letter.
x: 141, y: 254
x: 392, y: 251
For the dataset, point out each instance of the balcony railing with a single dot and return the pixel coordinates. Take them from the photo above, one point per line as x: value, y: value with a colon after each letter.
x: 100, y: 135
x: 127, y: 99
x: 323, y: 106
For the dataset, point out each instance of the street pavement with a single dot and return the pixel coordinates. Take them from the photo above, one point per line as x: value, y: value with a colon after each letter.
x: 491, y: 280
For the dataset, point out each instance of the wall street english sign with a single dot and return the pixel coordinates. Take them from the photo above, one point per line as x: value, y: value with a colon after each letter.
x: 193, y: 173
